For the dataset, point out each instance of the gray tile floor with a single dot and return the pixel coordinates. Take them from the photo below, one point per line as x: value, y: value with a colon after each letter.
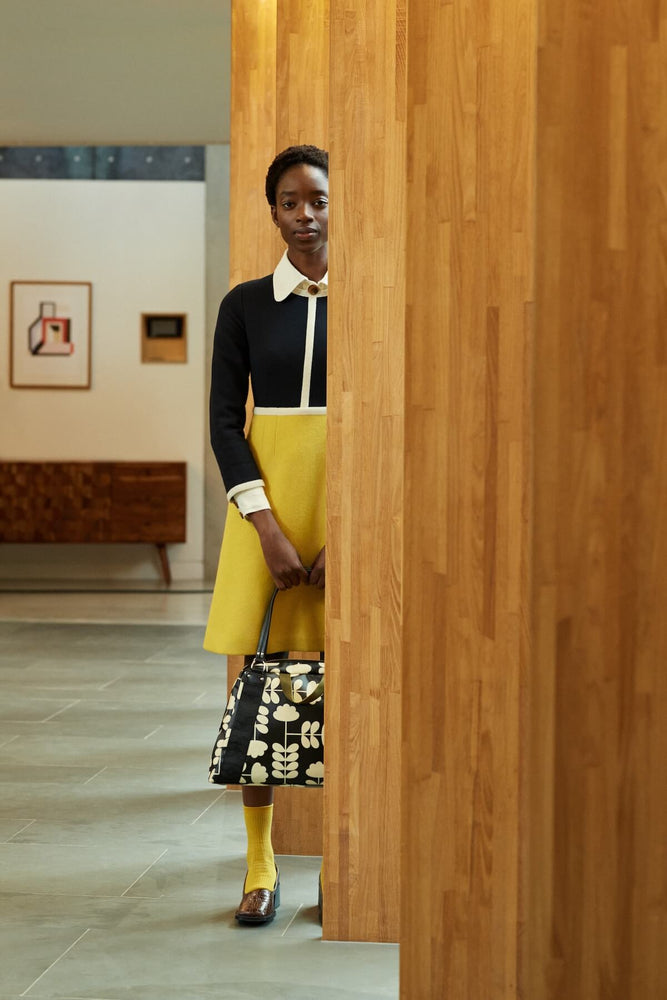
x: 120, y: 867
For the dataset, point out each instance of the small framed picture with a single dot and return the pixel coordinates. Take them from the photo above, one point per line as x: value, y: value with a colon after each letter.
x: 164, y: 337
x: 50, y: 334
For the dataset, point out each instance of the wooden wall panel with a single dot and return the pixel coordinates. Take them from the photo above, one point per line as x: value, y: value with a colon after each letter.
x: 302, y: 116
x: 596, y: 873
x: 252, y: 127
x: 364, y: 492
x: 468, y: 341
x: 524, y: 605
x: 253, y: 247
x: 252, y: 240
x: 279, y: 98
x: 302, y: 80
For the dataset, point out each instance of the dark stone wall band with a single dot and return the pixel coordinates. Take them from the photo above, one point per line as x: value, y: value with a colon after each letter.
x: 108, y: 163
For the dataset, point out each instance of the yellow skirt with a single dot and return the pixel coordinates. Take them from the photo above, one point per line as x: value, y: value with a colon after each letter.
x: 290, y: 452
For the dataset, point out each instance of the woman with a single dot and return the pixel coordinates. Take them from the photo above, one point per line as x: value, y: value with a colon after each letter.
x: 273, y: 329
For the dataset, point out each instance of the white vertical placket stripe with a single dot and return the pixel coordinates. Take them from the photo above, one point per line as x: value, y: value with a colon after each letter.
x: 310, y: 344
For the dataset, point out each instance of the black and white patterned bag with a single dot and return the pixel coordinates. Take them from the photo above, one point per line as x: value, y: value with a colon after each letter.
x: 272, y: 731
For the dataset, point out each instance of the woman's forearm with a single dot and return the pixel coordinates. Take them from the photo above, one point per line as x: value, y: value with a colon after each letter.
x: 281, y: 557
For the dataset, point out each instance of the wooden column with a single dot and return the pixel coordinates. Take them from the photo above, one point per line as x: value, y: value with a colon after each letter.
x: 252, y: 242
x: 468, y: 333
x: 497, y: 540
x: 302, y: 116
x: 365, y: 447
x: 596, y: 873
x: 534, y: 808
x: 252, y: 238
x: 302, y: 77
x: 279, y: 98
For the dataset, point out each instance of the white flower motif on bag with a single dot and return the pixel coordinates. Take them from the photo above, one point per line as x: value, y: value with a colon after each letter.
x: 257, y: 748
x: 258, y: 774
x: 296, y: 668
x: 315, y: 773
x: 310, y: 735
x: 262, y: 720
x: 270, y: 692
x: 286, y: 713
x: 285, y: 761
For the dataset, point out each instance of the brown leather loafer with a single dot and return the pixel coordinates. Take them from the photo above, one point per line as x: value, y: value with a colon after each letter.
x: 259, y: 905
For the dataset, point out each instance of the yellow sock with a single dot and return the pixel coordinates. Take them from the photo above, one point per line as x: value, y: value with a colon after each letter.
x: 261, y: 863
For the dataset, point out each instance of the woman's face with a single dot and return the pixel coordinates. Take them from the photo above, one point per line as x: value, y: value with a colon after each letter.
x: 301, y: 211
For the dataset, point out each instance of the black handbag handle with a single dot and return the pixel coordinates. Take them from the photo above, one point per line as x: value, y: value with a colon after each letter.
x: 285, y: 678
x: 263, y: 640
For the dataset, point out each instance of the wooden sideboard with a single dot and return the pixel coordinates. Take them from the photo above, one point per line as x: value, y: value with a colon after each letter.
x: 94, y: 502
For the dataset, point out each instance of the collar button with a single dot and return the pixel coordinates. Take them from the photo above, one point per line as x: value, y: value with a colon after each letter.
x: 313, y: 289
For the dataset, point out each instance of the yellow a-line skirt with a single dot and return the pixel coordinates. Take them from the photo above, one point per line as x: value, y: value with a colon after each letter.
x: 290, y: 453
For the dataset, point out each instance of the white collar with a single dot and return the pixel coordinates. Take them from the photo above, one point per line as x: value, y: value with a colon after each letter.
x: 287, y: 279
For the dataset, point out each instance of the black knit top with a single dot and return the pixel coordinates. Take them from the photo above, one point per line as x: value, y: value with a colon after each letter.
x: 259, y: 337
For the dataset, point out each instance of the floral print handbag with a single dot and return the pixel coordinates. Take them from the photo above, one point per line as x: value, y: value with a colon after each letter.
x: 272, y: 731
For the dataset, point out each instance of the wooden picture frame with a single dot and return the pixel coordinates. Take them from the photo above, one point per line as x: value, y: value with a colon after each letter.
x: 164, y: 338
x: 50, y: 334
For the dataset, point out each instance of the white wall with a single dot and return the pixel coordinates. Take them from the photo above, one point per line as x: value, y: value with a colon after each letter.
x: 217, y: 283
x: 141, y: 244
x: 87, y: 72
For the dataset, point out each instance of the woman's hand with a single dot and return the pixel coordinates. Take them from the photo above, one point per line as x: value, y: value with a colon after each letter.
x: 280, y: 556
x: 317, y: 574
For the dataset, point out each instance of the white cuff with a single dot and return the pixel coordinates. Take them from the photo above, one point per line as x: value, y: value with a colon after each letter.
x: 243, y: 486
x: 250, y: 500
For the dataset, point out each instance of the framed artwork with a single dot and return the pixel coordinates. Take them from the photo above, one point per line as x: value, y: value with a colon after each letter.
x: 49, y: 334
x: 164, y: 337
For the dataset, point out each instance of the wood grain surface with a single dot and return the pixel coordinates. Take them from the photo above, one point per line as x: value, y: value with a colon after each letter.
x: 365, y: 470
x: 468, y: 336
x: 596, y: 872
x: 279, y: 98
x: 302, y: 73
x: 497, y: 474
x: 253, y: 246
x: 302, y: 116
x: 101, y: 502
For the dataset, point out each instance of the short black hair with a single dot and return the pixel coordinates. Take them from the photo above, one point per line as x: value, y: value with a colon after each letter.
x: 292, y: 157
